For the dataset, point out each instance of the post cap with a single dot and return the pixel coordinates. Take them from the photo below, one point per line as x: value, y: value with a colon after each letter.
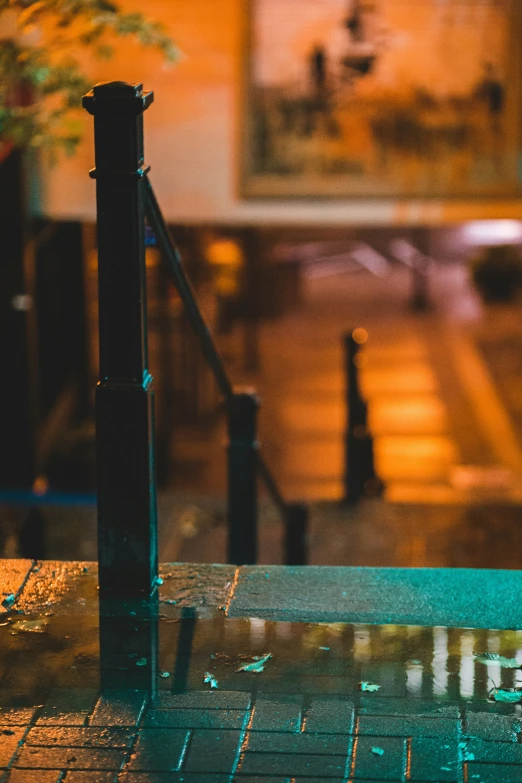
x: 118, y: 94
x: 248, y: 394
x: 116, y: 90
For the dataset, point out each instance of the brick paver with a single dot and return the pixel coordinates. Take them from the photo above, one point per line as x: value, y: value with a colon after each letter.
x: 44, y: 776
x: 380, y: 758
x: 196, y: 719
x: 159, y: 750
x: 119, y: 708
x: 80, y: 737
x: 282, y: 713
x: 493, y: 727
x: 377, y: 705
x: 9, y: 740
x: 322, y: 729
x: 433, y: 760
x: 493, y: 773
x: 204, y: 700
x: 196, y: 737
x: 330, y: 716
x: 175, y: 777
x: 289, y: 764
x: 320, y: 744
x: 495, y: 752
x: 213, y: 751
x: 406, y: 726
x: 68, y: 707
x: 16, y: 716
x: 69, y: 758
x: 90, y: 777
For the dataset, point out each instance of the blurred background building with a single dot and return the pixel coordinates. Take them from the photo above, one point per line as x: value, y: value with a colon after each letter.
x: 323, y: 166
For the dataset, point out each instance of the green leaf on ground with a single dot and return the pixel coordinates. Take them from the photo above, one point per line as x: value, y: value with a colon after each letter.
x: 257, y: 665
x: 506, y: 695
x: 207, y: 677
x: 368, y: 687
x: 488, y: 657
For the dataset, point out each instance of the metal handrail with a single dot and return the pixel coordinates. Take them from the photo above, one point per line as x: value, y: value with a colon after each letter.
x: 210, y: 352
x: 184, y: 288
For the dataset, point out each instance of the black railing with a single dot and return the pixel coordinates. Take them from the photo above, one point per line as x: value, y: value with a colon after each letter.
x: 127, y: 525
x: 360, y: 478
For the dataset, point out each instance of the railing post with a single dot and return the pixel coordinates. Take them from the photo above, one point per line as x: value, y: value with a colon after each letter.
x: 359, y: 471
x: 242, y: 477
x: 296, y: 534
x: 127, y: 525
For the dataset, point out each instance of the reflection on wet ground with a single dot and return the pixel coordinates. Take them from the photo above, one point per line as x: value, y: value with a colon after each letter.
x: 174, y: 685
x: 44, y: 651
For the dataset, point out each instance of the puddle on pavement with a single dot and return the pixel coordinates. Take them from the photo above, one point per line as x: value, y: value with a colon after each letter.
x: 180, y: 651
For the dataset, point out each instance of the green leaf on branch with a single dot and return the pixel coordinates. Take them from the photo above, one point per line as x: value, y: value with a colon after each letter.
x: 40, y: 68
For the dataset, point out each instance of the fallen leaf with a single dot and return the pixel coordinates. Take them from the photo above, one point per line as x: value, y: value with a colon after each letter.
x: 488, y: 657
x: 369, y: 687
x: 29, y: 626
x: 257, y: 665
x: 8, y: 601
x: 506, y: 695
x: 211, y: 680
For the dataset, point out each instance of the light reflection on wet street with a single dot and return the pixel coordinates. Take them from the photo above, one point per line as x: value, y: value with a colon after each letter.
x: 43, y: 652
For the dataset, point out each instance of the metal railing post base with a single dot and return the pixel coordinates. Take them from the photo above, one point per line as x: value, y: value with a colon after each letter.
x: 296, y: 534
x: 127, y: 535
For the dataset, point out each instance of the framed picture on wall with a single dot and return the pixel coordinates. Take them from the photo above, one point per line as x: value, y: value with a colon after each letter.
x: 388, y: 98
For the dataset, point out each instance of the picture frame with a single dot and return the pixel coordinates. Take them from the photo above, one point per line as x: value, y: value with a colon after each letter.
x: 381, y: 98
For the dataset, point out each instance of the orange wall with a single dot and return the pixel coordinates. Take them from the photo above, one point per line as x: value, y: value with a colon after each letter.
x: 192, y: 133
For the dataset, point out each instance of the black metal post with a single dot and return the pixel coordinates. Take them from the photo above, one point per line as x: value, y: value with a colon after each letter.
x: 242, y: 483
x: 296, y: 534
x: 129, y: 643
x: 127, y: 525
x: 19, y: 390
x: 359, y: 471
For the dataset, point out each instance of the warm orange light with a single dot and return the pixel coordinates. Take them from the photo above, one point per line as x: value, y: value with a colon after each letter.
x: 225, y: 252
x: 40, y: 485
x: 360, y: 335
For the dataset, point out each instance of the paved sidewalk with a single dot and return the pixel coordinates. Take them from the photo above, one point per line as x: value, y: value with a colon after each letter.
x: 223, y: 736
x: 334, y: 701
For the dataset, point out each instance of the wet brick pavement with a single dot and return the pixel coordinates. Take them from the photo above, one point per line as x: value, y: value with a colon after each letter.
x: 280, y: 738
x: 79, y: 735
